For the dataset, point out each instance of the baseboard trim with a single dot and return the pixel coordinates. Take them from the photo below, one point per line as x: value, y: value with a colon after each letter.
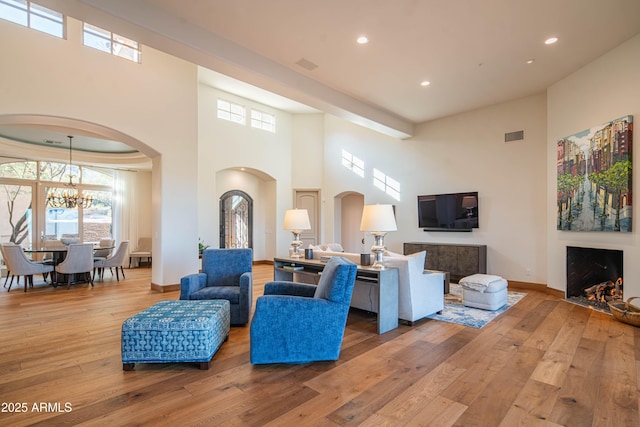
x: 165, y: 288
x: 541, y: 287
x: 263, y: 262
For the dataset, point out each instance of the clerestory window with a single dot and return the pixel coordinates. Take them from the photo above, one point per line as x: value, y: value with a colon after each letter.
x: 262, y: 120
x: 33, y: 15
x: 106, y: 41
x: 232, y: 112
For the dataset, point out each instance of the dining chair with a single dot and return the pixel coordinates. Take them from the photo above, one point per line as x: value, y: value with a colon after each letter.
x: 4, y: 260
x: 79, y: 260
x: 105, y: 247
x: 116, y: 260
x: 20, y: 265
x: 48, y: 257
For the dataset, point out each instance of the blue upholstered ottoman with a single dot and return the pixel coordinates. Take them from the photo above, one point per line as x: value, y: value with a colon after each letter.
x: 175, y: 331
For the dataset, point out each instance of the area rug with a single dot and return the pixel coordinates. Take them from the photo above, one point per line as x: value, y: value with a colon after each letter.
x: 455, y: 312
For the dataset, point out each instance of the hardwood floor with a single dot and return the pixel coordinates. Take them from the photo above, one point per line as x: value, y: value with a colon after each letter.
x: 543, y: 362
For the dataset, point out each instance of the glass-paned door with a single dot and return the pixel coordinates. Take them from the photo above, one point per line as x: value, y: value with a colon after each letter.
x: 60, y: 221
x: 236, y: 220
x: 16, y: 206
x: 97, y: 220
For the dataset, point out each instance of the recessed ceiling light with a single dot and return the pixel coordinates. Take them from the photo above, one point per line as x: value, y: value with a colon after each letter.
x: 363, y: 40
x: 551, y: 40
x: 425, y: 83
x: 530, y: 61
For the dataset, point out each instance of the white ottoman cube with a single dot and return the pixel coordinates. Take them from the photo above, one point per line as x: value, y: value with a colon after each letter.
x: 484, y: 291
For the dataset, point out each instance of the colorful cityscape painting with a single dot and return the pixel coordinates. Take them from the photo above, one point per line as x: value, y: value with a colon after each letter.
x: 594, y: 178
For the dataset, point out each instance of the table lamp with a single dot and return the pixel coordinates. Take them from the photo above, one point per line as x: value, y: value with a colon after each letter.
x: 378, y: 219
x: 296, y: 220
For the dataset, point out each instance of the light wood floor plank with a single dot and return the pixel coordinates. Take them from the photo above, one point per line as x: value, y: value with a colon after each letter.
x: 543, y: 362
x: 618, y: 387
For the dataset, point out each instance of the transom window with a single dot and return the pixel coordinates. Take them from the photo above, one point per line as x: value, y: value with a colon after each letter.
x: 262, y: 120
x: 19, y: 170
x: 230, y: 111
x: 32, y: 15
x: 353, y: 163
x: 106, y: 41
x: 386, y: 184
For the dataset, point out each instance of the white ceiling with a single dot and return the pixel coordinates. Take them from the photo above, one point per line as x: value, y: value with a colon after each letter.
x: 473, y: 52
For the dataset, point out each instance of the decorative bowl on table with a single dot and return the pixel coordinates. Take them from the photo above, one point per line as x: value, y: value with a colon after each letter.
x: 69, y: 240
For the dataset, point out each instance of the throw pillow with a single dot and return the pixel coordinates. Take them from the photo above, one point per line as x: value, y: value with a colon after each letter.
x: 335, y: 247
x: 327, y: 278
x: 391, y: 254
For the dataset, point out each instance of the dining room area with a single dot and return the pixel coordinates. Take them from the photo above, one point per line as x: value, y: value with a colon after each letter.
x: 68, y: 222
x: 63, y: 262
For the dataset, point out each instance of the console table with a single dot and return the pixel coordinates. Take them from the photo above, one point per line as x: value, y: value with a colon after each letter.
x: 385, y: 280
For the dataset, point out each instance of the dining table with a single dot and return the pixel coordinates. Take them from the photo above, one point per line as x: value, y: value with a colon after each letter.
x: 58, y: 254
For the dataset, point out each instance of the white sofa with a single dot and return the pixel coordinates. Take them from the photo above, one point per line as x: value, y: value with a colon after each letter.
x: 420, y: 293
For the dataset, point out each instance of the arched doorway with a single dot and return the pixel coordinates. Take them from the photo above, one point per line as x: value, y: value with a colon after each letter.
x: 350, y: 213
x: 236, y: 220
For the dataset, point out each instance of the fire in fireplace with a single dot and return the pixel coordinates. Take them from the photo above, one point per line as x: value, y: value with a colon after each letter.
x: 594, y: 276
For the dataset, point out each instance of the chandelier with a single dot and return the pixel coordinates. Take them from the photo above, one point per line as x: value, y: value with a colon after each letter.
x: 70, y: 197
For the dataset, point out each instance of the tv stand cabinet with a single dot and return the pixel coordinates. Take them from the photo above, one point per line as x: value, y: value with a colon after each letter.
x: 458, y: 260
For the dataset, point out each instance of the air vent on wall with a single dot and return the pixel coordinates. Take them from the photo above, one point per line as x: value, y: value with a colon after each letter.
x: 514, y: 136
x: 306, y: 64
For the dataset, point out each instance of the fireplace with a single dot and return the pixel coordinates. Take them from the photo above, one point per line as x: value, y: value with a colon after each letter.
x: 594, y: 276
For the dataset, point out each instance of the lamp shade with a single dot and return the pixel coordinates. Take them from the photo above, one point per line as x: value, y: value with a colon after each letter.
x: 378, y: 218
x: 296, y: 219
x: 469, y: 202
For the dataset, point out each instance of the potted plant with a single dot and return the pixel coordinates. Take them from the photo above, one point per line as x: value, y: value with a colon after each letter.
x: 201, y: 246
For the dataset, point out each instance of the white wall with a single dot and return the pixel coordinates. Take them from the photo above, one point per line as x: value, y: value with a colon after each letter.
x: 163, y: 112
x: 153, y: 103
x: 232, y: 179
x: 307, y: 151
x: 603, y: 90
x: 465, y: 152
x: 224, y: 145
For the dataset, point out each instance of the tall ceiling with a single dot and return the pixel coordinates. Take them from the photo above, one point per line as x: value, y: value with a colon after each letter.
x: 474, y: 53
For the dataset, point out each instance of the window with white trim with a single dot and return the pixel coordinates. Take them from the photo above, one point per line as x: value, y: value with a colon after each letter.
x: 33, y: 15
x: 262, y: 120
x: 386, y: 184
x: 230, y: 111
x: 353, y: 163
x: 106, y: 41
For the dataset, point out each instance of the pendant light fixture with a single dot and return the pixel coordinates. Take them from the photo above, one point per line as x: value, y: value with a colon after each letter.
x: 69, y: 197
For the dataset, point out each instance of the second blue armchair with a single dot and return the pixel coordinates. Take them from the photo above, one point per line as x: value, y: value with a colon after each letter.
x: 226, y: 274
x: 299, y: 323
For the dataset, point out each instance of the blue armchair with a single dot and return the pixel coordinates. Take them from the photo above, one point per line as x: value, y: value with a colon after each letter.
x: 300, y: 323
x: 226, y: 274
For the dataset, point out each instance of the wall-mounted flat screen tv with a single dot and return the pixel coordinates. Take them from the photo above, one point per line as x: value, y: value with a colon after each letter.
x: 448, y: 212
